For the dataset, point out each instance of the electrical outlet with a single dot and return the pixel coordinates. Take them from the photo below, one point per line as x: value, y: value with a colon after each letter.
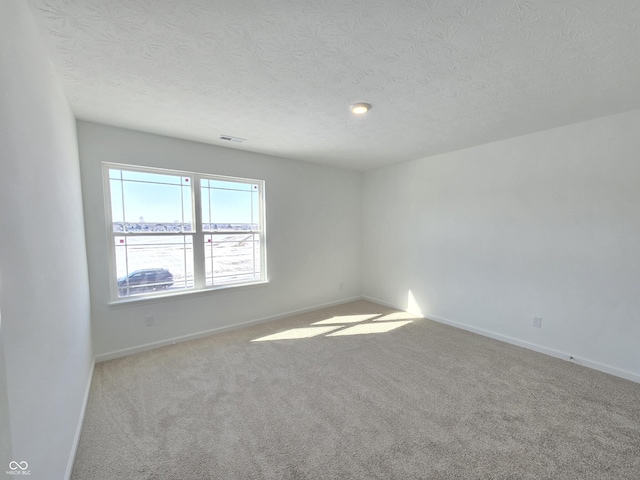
x: 341, y: 286
x: 149, y: 321
x: 536, y: 322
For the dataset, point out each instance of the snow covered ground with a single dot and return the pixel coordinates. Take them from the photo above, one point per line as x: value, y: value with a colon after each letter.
x: 228, y: 258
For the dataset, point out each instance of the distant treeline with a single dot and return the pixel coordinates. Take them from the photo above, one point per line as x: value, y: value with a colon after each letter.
x: 181, y: 227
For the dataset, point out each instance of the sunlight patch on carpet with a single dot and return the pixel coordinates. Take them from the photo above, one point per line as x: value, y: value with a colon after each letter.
x: 397, y: 316
x: 366, y: 328
x: 296, y: 333
x: 340, y: 319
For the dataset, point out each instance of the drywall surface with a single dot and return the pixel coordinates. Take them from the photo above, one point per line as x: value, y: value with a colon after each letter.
x: 5, y: 421
x: 543, y: 225
x: 44, y: 292
x: 313, y: 219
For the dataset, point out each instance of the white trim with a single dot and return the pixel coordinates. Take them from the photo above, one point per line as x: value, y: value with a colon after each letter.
x: 196, y: 234
x: 76, y: 438
x: 585, y: 362
x: 174, y: 295
x: 618, y: 372
x: 192, y: 336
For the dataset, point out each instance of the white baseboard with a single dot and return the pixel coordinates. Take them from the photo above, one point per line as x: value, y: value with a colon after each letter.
x: 503, y: 338
x: 192, y: 336
x: 385, y: 304
x: 618, y: 372
x: 76, y: 439
x: 585, y: 362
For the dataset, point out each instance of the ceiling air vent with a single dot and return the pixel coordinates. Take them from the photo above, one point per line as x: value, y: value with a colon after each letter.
x: 229, y: 138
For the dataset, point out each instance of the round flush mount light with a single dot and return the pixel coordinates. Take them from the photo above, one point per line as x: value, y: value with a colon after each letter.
x: 360, y: 108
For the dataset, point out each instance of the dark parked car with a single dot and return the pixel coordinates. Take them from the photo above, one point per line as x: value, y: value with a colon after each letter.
x: 145, y: 280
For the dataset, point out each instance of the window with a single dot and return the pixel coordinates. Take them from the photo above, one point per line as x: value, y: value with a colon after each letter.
x: 173, y: 231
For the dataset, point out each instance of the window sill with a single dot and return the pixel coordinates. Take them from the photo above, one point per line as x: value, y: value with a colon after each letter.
x: 170, y: 296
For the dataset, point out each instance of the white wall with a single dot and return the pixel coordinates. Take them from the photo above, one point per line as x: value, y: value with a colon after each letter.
x: 546, y: 224
x: 44, y: 295
x: 5, y: 421
x: 313, y: 238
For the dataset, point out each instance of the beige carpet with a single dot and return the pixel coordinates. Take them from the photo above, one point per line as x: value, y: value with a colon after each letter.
x: 359, y: 394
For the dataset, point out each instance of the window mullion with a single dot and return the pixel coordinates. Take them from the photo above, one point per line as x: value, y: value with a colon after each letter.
x: 198, y: 237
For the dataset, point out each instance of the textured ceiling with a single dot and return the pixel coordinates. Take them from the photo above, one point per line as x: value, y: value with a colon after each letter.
x: 441, y: 75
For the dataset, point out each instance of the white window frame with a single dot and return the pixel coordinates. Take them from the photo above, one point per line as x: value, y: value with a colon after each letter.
x: 197, y: 234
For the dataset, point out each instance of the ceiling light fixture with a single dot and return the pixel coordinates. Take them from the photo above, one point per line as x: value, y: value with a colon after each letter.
x: 360, y: 108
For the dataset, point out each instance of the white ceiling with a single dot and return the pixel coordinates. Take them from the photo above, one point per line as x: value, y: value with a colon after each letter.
x: 441, y: 75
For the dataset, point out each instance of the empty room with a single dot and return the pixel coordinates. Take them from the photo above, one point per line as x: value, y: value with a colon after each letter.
x: 266, y: 239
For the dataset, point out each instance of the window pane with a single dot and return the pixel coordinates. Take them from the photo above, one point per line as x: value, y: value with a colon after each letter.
x: 153, y: 203
x: 206, y: 210
x: 221, y: 184
x: 147, y: 264
x: 117, y: 207
x: 187, y: 209
x: 150, y: 202
x: 231, y: 258
x: 255, y: 210
x: 230, y: 206
x: 151, y: 177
